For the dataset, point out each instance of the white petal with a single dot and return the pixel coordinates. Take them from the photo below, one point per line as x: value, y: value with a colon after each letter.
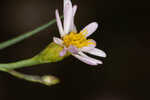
x: 74, y: 9
x: 89, y: 29
x: 74, y: 29
x: 88, y: 60
x: 66, y: 1
x: 58, y: 41
x: 89, y: 47
x: 59, y: 24
x: 68, y: 16
x: 85, y: 60
x: 84, y: 55
x: 96, y: 52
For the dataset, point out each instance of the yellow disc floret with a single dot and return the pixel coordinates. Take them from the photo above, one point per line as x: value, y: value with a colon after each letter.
x: 77, y: 39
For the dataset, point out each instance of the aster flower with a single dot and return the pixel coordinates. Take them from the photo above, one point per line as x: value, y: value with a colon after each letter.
x: 76, y: 42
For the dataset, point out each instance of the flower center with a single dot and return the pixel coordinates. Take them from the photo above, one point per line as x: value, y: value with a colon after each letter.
x: 77, y: 39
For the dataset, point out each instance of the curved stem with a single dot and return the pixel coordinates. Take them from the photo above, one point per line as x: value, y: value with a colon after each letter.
x: 20, y: 64
x: 26, y: 35
x: 46, y: 79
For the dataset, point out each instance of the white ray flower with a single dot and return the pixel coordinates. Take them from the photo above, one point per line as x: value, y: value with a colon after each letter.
x: 77, y: 43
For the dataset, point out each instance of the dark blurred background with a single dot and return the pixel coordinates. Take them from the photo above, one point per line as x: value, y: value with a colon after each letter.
x: 124, y: 74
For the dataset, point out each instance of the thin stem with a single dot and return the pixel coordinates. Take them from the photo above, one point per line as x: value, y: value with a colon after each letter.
x: 46, y: 79
x: 20, y: 64
x: 26, y: 35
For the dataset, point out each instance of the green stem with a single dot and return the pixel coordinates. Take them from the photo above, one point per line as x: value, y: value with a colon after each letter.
x: 20, y: 64
x: 46, y: 79
x: 50, y: 54
x: 26, y: 35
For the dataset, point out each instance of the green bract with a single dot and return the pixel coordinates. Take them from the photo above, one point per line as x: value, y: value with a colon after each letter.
x: 51, y: 54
